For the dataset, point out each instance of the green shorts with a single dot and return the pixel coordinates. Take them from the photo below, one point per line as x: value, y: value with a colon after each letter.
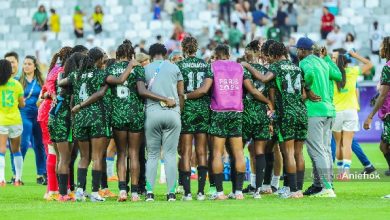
x: 60, y: 125
x: 292, y: 128
x: 255, y: 123
x: 386, y: 130
x: 226, y: 124
x: 195, y: 117
x: 97, y: 130
x: 134, y: 126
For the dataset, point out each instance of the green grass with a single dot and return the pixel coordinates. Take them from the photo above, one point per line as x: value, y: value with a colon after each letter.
x: 355, y: 200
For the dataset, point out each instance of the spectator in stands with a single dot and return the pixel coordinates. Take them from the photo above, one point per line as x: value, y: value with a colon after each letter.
x: 350, y: 42
x: 55, y: 25
x: 157, y: 10
x: 335, y: 39
x: 274, y: 32
x: 259, y: 19
x: 218, y: 37
x: 259, y: 16
x: 224, y: 7
x: 242, y: 17
x: 140, y: 48
x: 40, y: 19
x: 13, y: 58
x: 169, y: 6
x: 42, y: 53
x: 327, y: 23
x: 376, y: 37
x: 292, y: 19
x: 282, y: 17
x: 159, y: 39
x: 178, y: 16
x: 235, y: 37
x: 97, y: 19
x: 78, y: 22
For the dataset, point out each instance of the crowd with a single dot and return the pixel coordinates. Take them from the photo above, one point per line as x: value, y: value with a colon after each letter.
x: 92, y: 106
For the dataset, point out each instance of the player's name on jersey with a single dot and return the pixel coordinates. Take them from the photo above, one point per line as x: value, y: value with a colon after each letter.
x: 85, y: 75
x: 289, y: 67
x: 194, y: 65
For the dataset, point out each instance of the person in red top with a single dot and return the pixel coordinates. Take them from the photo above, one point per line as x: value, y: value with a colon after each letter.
x: 48, y: 94
x: 327, y: 23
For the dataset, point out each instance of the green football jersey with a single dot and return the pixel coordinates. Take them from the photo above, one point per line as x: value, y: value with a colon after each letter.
x: 125, y: 98
x: 385, y: 76
x: 84, y: 86
x: 288, y: 79
x: 193, y: 70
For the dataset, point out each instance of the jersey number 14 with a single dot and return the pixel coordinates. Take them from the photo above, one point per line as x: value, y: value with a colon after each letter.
x: 297, y: 83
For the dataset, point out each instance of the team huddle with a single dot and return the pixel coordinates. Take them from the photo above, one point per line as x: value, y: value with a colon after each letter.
x: 169, y: 108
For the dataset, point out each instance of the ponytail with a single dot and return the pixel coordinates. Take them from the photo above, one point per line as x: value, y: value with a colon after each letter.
x: 341, y: 61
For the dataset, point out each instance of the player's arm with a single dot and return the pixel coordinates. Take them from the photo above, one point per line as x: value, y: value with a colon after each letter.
x: 64, y: 82
x: 263, y: 78
x: 180, y: 91
x: 334, y: 71
x: 257, y: 94
x: 92, y: 99
x: 367, y: 64
x: 201, y: 91
x: 383, y: 90
x: 21, y: 101
x: 113, y: 80
x: 145, y: 93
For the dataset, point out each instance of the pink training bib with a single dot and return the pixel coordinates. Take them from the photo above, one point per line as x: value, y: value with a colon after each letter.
x: 385, y: 108
x: 227, y: 86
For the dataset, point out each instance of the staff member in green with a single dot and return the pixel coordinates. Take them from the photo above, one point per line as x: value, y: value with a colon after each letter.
x: 321, y: 113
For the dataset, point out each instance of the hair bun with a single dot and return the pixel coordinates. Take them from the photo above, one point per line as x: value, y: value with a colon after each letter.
x: 127, y: 42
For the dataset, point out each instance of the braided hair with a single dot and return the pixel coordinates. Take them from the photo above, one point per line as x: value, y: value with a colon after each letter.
x: 220, y: 51
x: 189, y: 45
x: 265, y: 47
x: 385, y: 53
x: 253, y: 46
x: 63, y: 54
x: 277, y: 50
x: 88, y: 62
x: 125, y: 50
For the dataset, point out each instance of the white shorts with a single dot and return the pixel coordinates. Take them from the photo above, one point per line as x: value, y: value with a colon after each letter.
x: 13, y: 131
x: 347, y: 120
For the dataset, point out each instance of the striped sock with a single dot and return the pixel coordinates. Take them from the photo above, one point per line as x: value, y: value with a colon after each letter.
x: 347, y: 164
x: 2, y: 167
x: 18, y: 161
x: 339, y: 164
x: 110, y: 166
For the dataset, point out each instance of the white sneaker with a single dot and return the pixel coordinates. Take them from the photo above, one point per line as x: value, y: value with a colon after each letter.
x: 325, y: 193
x: 283, y: 190
x: 180, y: 190
x: 80, y: 197
x: 95, y: 197
x: 285, y: 193
x: 187, y: 197
x: 257, y: 195
x: 200, y: 197
x: 386, y: 196
x: 232, y: 195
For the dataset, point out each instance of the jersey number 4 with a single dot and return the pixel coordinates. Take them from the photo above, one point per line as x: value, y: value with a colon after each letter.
x: 297, y: 83
x: 83, y: 95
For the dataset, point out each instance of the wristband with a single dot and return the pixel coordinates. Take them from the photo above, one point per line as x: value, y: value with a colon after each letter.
x: 185, y: 96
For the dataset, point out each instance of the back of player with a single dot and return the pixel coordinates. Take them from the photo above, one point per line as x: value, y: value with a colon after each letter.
x: 194, y: 118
